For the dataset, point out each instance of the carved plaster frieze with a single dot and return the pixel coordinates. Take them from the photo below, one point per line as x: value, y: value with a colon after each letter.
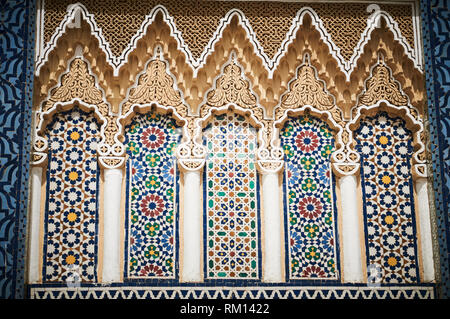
x: 383, y: 93
x: 233, y: 91
x: 347, y: 66
x: 307, y: 94
x: 77, y: 86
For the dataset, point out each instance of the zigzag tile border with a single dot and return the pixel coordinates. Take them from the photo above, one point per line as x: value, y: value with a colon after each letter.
x: 272, y: 292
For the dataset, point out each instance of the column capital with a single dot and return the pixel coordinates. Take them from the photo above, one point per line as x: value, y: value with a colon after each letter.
x: 270, y: 166
x: 110, y: 162
x: 191, y: 164
x: 346, y: 169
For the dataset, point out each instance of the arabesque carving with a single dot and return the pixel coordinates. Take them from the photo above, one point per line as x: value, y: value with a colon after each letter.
x: 77, y: 83
x: 307, y: 90
x: 232, y: 90
x: 383, y: 93
x: 155, y: 89
x: 307, y: 94
x: 381, y: 86
x: 268, y: 63
x: 155, y: 85
x: 231, y: 87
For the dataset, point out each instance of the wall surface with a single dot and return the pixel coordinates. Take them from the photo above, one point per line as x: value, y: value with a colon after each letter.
x: 17, y: 72
x: 436, y: 27
x: 17, y: 29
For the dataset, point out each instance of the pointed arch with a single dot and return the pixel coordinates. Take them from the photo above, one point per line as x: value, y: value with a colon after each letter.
x: 155, y: 87
x: 78, y: 86
x: 233, y: 91
x: 382, y: 92
x: 307, y: 94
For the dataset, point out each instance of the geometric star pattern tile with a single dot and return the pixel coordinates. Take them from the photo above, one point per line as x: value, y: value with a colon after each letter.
x: 151, y: 141
x: 71, y: 219
x: 308, y: 144
x: 232, y: 247
x: 385, y: 147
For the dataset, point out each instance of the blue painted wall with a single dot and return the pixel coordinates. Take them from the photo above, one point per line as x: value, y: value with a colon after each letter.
x: 435, y: 28
x: 17, y: 34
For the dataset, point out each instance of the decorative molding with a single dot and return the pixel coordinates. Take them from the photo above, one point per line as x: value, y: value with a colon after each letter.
x: 77, y: 10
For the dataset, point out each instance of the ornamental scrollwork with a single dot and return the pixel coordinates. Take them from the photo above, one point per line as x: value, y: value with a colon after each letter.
x: 77, y: 86
x: 232, y: 90
x: 307, y: 94
x: 383, y: 93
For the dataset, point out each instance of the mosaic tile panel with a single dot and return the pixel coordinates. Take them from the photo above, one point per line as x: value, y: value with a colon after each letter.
x: 151, y: 141
x: 17, y: 41
x: 385, y: 147
x: 308, y: 144
x: 232, y: 244
x: 71, y: 220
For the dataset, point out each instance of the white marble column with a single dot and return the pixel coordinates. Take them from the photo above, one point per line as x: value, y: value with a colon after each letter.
x: 273, y: 245
x: 423, y: 209
x: 112, y: 232
x: 34, y: 270
x: 191, y: 245
x: 351, y: 246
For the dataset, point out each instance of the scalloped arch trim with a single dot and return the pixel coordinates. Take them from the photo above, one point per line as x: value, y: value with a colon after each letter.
x: 77, y: 11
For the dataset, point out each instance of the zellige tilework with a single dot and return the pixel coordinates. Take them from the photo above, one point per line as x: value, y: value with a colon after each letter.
x: 232, y: 246
x: 385, y: 147
x: 151, y: 141
x: 308, y: 144
x: 71, y: 221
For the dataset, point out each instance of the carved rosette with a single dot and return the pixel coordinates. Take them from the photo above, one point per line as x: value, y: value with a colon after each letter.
x: 77, y: 86
x: 383, y: 92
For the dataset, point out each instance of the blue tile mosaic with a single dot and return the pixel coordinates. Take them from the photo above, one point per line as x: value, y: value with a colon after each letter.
x: 436, y: 32
x: 17, y: 29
